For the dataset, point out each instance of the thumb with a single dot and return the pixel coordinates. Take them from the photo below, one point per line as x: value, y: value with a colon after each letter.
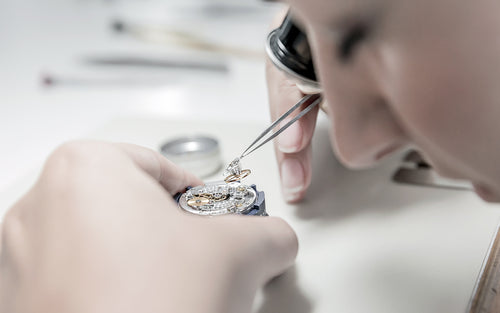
x: 279, y: 243
x: 269, y: 244
x: 170, y: 176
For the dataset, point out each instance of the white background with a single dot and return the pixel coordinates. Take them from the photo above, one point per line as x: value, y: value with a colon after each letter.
x: 366, y: 244
x: 55, y: 37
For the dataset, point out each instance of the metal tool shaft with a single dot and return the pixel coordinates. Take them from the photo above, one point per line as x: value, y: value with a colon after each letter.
x: 310, y: 100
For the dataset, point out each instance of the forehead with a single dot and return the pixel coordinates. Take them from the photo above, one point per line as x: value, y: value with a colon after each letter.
x: 334, y: 12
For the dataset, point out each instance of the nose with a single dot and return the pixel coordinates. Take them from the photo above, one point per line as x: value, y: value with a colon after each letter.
x: 364, y: 128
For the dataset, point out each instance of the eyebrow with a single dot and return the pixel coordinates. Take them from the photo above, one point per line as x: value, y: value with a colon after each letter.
x: 350, y: 38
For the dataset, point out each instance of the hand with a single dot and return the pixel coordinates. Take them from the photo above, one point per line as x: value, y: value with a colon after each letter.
x: 100, y: 232
x: 293, y: 146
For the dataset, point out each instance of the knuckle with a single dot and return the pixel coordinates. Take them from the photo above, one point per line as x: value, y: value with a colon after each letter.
x: 285, y: 237
x: 67, y: 170
x: 70, y: 152
x: 12, y: 233
x: 61, y: 156
x: 59, y: 164
x: 66, y: 159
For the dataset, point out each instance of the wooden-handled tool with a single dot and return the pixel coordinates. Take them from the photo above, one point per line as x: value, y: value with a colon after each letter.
x: 486, y: 296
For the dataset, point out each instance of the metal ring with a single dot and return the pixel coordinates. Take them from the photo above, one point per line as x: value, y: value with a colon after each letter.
x: 197, y: 154
x: 233, y: 177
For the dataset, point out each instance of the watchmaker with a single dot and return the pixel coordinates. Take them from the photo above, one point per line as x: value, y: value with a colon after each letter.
x: 100, y: 232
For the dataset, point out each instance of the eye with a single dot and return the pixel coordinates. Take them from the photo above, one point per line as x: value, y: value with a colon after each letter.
x: 350, y: 42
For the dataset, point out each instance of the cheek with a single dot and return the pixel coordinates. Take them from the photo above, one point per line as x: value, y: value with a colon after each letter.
x: 363, y: 128
x: 447, y: 103
x: 440, y: 78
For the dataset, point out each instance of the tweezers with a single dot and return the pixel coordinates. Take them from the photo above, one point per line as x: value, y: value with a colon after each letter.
x: 309, y: 100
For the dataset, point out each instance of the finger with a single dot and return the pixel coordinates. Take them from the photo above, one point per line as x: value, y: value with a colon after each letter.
x: 173, y: 178
x: 279, y: 244
x: 298, y: 135
x: 295, y: 172
x: 293, y: 146
x: 279, y: 17
x: 283, y: 94
x: 268, y: 246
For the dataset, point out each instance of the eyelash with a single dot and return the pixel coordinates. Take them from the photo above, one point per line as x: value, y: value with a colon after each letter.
x: 350, y: 42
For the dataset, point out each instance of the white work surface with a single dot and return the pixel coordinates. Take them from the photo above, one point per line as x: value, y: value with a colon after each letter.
x: 366, y: 243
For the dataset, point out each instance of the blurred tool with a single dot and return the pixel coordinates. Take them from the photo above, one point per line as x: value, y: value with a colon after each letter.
x: 485, y: 297
x: 160, y: 63
x: 173, y: 63
x: 228, y: 9
x: 416, y: 171
x: 164, y: 35
x: 49, y: 80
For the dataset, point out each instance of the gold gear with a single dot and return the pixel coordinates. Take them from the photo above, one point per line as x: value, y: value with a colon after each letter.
x: 232, y: 178
x: 198, y: 201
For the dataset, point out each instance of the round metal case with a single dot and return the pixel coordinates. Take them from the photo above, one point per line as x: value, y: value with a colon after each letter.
x: 221, y: 198
x: 197, y: 154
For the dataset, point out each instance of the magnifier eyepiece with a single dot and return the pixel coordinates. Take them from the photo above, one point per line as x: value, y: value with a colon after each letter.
x: 289, y: 50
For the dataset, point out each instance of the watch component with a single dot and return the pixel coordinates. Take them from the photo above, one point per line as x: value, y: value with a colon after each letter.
x: 234, y: 178
x: 221, y: 198
x: 234, y: 173
x: 234, y: 168
x: 198, y: 201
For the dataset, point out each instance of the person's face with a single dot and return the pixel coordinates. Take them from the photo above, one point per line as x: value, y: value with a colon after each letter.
x: 424, y: 72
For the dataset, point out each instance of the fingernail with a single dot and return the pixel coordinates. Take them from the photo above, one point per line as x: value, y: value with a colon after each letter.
x: 292, y: 179
x: 290, y: 139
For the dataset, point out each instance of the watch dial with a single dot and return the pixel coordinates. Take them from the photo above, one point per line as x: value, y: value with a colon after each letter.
x: 218, y: 198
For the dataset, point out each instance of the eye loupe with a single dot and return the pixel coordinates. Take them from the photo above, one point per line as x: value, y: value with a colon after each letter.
x: 288, y: 48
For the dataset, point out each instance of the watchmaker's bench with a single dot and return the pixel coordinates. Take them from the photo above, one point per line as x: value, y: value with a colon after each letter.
x: 367, y: 244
